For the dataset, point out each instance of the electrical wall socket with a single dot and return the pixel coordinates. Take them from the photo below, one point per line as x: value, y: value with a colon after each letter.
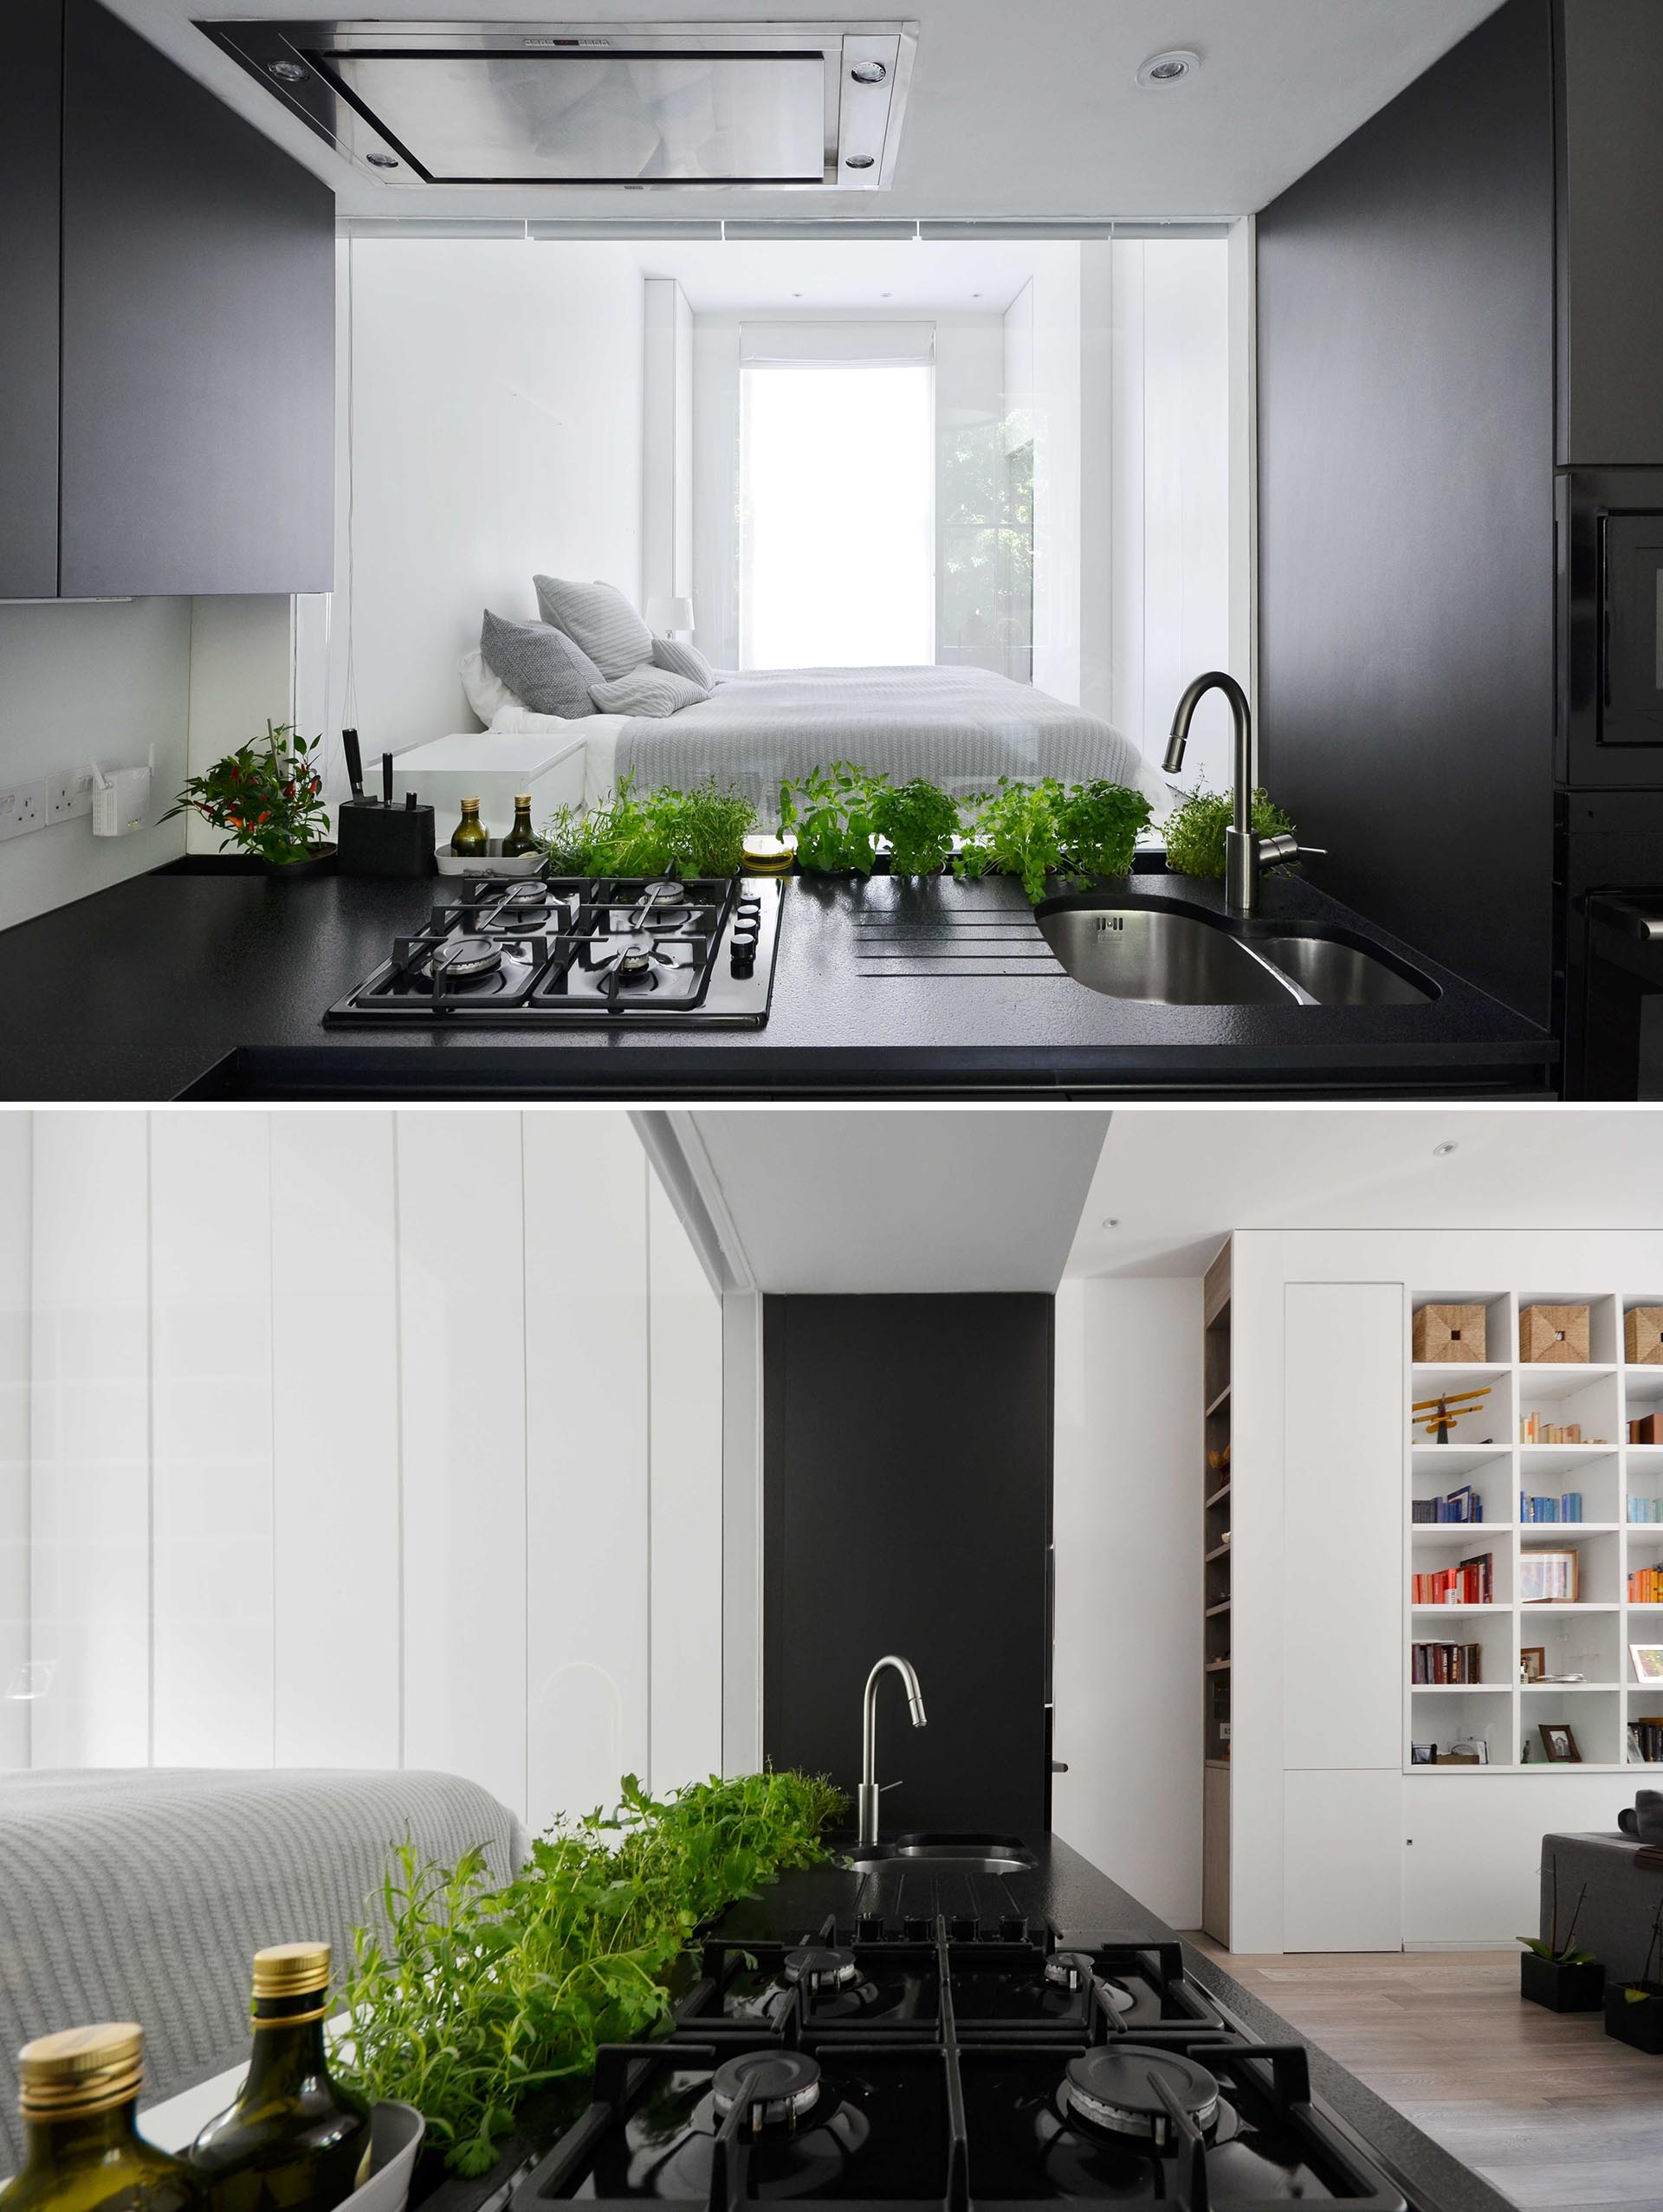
x: 22, y: 808
x: 67, y: 796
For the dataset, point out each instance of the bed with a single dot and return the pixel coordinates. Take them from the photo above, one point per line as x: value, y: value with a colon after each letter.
x: 960, y: 727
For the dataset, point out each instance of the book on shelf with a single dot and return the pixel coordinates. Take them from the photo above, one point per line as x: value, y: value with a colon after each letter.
x: 1532, y: 1429
x: 1470, y: 1581
x: 1646, y: 1740
x: 1645, y: 1586
x: 1433, y: 1664
x: 1643, y: 1429
x: 1566, y: 1507
x: 1646, y: 1509
x: 1458, y: 1505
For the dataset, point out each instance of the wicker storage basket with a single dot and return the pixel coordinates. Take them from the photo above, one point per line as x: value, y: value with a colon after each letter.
x: 1551, y: 1333
x: 1642, y: 1336
x: 1449, y: 1333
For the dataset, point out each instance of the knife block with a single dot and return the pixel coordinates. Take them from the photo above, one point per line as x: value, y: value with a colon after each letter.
x: 377, y: 840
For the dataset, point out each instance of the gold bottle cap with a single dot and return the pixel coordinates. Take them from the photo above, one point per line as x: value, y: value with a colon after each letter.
x: 523, y: 798
x: 470, y: 807
x: 291, y: 1970
x: 81, y: 2070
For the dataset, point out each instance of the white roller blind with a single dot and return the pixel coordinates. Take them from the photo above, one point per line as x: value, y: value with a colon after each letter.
x: 839, y: 345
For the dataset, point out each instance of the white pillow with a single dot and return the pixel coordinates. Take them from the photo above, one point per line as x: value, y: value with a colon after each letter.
x: 647, y: 690
x: 487, y: 693
x: 515, y: 715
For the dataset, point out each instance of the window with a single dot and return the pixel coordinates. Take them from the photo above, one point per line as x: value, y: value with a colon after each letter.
x: 838, y: 496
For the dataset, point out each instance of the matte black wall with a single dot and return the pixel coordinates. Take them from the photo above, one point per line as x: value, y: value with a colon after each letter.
x: 907, y: 1508
x: 1406, y: 426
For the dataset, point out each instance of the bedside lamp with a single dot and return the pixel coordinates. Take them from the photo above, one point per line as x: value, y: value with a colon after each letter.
x: 670, y: 617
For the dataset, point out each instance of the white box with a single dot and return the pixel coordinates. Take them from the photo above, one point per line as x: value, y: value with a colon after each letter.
x: 494, y: 767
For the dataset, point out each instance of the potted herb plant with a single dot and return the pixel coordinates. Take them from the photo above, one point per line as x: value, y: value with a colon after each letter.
x: 920, y: 822
x: 832, y: 814
x: 1634, y: 2010
x: 1196, y: 825
x: 267, y: 799
x: 1557, y: 1975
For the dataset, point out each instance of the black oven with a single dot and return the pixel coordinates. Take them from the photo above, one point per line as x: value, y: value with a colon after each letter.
x: 1609, y: 952
x: 1611, y: 629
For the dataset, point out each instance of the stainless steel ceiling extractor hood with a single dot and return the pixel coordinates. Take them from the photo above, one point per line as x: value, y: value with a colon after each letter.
x: 799, y: 106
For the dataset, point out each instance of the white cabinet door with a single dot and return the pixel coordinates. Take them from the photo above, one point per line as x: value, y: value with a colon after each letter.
x: 1342, y: 1516
x: 211, y: 1386
x: 585, y: 1460
x: 89, y: 1419
x: 461, y: 1258
x: 335, y: 1281
x: 686, y: 1542
x: 1342, y: 1861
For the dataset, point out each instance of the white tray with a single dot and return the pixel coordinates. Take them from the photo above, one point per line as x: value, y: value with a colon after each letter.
x: 518, y: 864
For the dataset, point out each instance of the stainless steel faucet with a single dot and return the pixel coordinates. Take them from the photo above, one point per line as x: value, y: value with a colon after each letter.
x: 867, y: 1801
x: 1244, y: 852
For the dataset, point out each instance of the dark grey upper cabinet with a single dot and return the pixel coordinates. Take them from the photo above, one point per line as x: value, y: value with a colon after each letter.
x: 198, y: 335
x: 28, y: 303
x: 1610, y: 70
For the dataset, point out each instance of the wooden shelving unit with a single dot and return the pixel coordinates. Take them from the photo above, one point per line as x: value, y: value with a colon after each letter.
x: 1215, y: 1599
x: 1589, y: 1636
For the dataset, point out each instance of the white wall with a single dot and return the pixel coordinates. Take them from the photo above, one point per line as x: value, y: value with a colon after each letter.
x: 1057, y: 491
x: 1127, y: 1519
x: 1169, y: 514
x: 14, y: 1178
x: 82, y: 682
x: 489, y: 411
x: 667, y: 452
x: 370, y: 1439
x: 1333, y: 1844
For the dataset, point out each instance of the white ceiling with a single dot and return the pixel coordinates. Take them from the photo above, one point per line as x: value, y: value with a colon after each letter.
x: 891, y: 1200
x: 1178, y: 1182
x: 1012, y: 113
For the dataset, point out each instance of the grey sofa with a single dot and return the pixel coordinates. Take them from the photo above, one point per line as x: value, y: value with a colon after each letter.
x: 143, y: 1894
x: 1616, y: 1919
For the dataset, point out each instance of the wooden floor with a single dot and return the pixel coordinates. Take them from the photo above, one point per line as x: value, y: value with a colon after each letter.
x: 1545, y: 2105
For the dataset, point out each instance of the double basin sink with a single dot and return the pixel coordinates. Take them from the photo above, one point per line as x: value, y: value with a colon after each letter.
x: 1173, y: 955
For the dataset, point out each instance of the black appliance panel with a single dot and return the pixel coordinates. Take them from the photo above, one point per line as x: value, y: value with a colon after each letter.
x: 1611, y: 624
x: 1610, y: 943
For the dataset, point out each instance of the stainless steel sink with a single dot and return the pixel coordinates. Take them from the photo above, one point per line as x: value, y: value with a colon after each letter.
x: 1170, y: 959
x: 1334, y: 973
x: 941, y: 1862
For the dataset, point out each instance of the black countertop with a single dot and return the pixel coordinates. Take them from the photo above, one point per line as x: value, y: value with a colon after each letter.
x: 214, y: 985
x: 1087, y: 1909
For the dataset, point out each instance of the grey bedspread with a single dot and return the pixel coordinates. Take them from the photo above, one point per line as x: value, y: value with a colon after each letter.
x: 143, y: 1894
x: 960, y: 727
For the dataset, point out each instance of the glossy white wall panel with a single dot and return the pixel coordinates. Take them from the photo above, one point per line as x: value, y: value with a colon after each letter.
x: 1343, y: 1864
x: 741, y: 1532
x: 1342, y: 1511
x: 586, y: 1631
x: 462, y: 1280
x: 89, y: 1485
x: 334, y: 1273
x: 15, y: 1241
x: 1472, y: 1856
x: 211, y: 1386
x: 686, y: 1503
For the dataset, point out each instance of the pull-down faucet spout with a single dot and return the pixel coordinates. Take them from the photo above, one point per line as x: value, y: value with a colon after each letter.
x: 1244, y: 852
x: 867, y: 1807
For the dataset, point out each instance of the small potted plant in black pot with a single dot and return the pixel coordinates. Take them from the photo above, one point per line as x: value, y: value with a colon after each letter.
x: 267, y: 799
x: 1557, y: 1973
x: 1634, y: 2010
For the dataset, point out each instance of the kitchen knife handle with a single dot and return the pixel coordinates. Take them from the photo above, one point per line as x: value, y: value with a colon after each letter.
x: 354, y: 761
x: 386, y: 779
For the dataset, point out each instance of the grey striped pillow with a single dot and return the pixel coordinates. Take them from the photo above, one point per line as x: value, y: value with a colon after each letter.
x: 539, y: 665
x: 600, y: 619
x: 650, y: 691
x: 682, y: 660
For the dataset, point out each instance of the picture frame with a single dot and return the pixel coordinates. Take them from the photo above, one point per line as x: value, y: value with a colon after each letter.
x: 1647, y: 1661
x: 1533, y: 1662
x: 1550, y: 1575
x: 1559, y: 1742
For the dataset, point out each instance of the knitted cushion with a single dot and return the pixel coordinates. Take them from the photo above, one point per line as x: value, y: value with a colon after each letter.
x: 600, y: 619
x: 684, y: 660
x: 540, y: 665
x: 650, y: 691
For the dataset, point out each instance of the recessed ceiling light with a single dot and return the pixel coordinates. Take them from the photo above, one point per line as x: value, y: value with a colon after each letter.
x: 1442, y: 1151
x: 1172, y: 68
x: 1111, y: 1221
x: 858, y: 161
x: 869, y: 73
x: 382, y: 160
x: 290, y: 72
x: 886, y: 296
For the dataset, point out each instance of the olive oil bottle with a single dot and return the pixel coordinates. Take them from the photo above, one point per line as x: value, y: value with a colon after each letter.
x: 470, y: 839
x: 78, y: 2092
x: 521, y: 838
x: 294, y: 2140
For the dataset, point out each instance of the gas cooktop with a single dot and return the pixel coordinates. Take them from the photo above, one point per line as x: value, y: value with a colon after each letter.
x: 999, y: 2068
x: 514, y: 951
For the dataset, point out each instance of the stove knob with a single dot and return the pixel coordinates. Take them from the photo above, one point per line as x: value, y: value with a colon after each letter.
x: 869, y: 1928
x: 962, y: 1928
x: 917, y: 1928
x: 1013, y: 1929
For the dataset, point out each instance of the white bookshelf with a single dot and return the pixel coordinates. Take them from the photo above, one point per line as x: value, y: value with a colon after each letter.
x: 1590, y: 1637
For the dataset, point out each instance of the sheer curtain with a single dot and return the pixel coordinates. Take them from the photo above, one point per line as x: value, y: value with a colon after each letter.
x: 837, y: 496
